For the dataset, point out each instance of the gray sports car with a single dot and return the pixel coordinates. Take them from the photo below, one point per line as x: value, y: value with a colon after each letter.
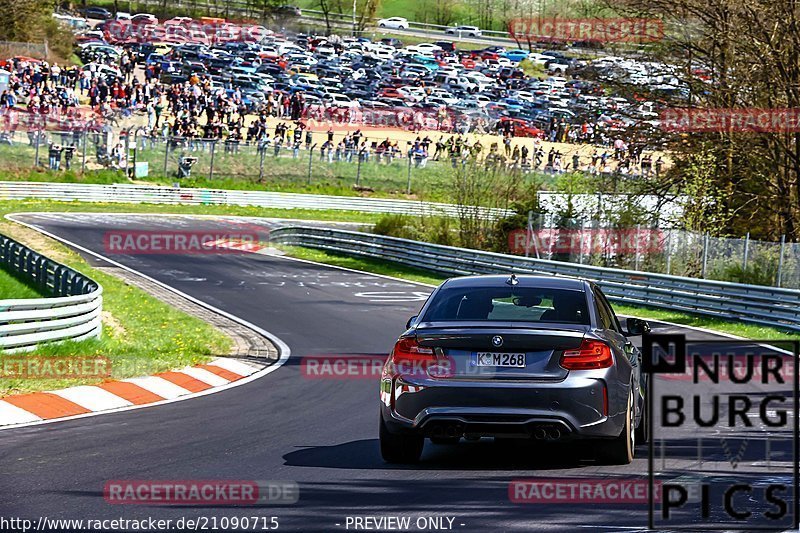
x: 530, y: 357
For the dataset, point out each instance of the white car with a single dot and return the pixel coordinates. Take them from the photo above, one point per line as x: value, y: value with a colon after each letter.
x: 396, y: 23
x: 340, y: 100
x: 424, y: 48
x: 469, y: 31
x: 178, y: 21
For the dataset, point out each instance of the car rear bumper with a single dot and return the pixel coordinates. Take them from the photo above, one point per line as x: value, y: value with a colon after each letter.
x: 572, y: 408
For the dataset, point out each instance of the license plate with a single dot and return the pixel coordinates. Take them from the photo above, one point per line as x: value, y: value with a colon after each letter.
x: 516, y: 360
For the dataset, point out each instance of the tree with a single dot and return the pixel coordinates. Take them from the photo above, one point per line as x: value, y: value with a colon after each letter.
x: 735, y: 54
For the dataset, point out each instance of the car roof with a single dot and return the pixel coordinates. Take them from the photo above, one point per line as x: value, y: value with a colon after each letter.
x: 547, y: 282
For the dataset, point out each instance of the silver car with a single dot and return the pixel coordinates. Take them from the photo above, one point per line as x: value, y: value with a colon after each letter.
x: 529, y: 357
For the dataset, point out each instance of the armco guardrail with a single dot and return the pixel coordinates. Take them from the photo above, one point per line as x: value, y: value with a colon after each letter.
x: 749, y: 303
x: 124, y: 193
x: 73, y: 313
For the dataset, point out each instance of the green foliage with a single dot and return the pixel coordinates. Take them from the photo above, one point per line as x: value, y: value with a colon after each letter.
x: 31, y: 21
x: 437, y: 230
x: 706, y: 208
x: 532, y: 69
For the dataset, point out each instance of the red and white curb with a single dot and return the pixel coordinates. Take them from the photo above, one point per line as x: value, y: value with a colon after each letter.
x: 84, y: 400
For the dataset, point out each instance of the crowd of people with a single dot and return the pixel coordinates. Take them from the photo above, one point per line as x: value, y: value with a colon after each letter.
x: 196, y: 112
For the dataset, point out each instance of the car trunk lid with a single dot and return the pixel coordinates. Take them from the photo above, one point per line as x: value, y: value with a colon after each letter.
x: 481, y: 351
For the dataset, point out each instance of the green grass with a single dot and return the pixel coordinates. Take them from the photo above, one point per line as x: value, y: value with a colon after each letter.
x: 19, y: 206
x: 387, y: 268
x: 12, y: 286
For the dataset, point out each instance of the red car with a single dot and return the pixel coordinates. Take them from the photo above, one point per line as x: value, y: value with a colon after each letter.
x: 390, y: 92
x: 520, y: 127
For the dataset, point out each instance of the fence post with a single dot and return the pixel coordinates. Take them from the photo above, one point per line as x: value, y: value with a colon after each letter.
x: 127, y: 151
x: 580, y: 242
x: 38, y: 140
x: 408, y: 183
x: 83, y: 156
x: 311, y: 161
x: 669, y: 252
x: 780, y: 260
x: 262, y: 149
x: 166, y: 157
x: 528, y: 231
x: 359, y: 154
x: 746, y: 250
x: 638, y: 235
x: 705, y: 255
x: 211, y: 163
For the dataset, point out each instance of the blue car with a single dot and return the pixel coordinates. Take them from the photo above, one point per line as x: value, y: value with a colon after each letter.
x: 516, y: 55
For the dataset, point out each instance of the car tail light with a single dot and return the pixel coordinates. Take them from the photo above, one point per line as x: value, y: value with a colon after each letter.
x: 407, y: 349
x: 590, y: 355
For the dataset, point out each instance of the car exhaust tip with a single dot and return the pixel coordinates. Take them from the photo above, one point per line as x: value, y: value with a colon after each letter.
x: 452, y: 431
x: 540, y: 434
x: 554, y: 434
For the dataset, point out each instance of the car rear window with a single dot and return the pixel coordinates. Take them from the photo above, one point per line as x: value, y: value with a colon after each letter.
x: 509, y: 304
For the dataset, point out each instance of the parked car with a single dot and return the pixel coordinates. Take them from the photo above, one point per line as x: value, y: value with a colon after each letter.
x: 94, y: 12
x: 469, y: 31
x: 396, y: 23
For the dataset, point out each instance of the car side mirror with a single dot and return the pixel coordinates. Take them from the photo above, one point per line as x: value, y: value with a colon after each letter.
x: 637, y: 326
x: 411, y: 321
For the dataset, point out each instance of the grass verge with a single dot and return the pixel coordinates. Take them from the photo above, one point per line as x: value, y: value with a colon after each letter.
x: 12, y: 286
x: 20, y: 206
x: 748, y: 331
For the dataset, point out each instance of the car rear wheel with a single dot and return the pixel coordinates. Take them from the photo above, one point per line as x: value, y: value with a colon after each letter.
x: 620, y: 450
x: 400, y: 449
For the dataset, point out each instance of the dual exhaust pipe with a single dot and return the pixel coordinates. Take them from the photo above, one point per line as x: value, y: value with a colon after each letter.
x: 546, y: 433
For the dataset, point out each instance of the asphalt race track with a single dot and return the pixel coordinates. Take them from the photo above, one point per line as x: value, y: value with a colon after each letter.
x: 321, y: 433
